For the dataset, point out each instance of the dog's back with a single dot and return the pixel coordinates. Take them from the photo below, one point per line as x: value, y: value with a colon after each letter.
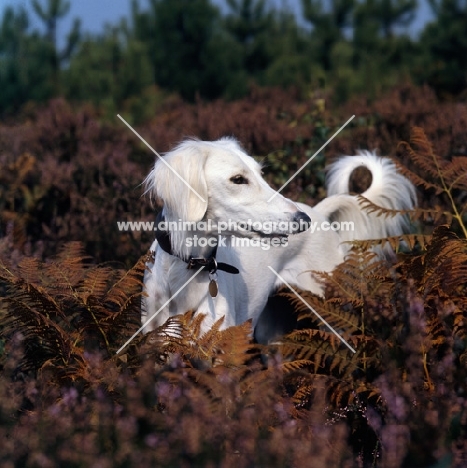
x: 370, y: 176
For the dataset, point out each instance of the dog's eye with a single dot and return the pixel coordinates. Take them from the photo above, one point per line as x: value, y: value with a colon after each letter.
x: 239, y: 179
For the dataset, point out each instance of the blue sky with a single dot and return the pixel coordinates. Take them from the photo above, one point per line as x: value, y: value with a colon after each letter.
x: 95, y: 13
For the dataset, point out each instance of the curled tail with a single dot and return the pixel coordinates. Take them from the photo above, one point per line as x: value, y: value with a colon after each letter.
x: 376, y: 179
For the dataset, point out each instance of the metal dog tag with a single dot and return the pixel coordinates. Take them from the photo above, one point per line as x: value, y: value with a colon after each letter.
x: 213, y: 287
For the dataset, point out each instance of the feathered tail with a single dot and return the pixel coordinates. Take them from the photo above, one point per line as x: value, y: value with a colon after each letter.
x: 388, y: 189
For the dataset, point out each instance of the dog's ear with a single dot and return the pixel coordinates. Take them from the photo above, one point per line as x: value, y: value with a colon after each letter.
x: 179, y: 179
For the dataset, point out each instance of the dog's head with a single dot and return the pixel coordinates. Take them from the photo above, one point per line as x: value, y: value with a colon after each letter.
x: 218, y: 181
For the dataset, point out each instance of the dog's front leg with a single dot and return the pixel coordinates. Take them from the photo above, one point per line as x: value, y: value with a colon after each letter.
x: 156, y: 292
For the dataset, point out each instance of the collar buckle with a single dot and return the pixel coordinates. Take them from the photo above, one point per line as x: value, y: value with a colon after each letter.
x: 210, y: 264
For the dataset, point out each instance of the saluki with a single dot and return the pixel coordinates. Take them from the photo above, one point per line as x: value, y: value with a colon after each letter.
x: 226, y: 240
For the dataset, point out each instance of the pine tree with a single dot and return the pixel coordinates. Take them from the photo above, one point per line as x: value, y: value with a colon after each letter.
x: 50, y: 14
x: 328, y: 25
x: 188, y: 50
x: 24, y: 71
x: 249, y: 22
x: 444, y: 63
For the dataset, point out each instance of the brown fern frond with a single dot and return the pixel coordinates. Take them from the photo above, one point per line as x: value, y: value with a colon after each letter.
x: 370, y: 207
x: 129, y: 285
x: 60, y: 305
x: 330, y: 310
x: 220, y: 347
x: 63, y: 273
x: 71, y: 254
x: 397, y: 243
x: 455, y: 173
x: 445, y: 176
x: 419, y: 180
x: 459, y: 313
x: 304, y: 387
x: 209, y: 361
x: 436, y: 331
x: 68, y: 268
x: 29, y: 270
x: 34, y: 311
x: 37, y: 297
x: 45, y: 340
x: 110, y: 301
x: 234, y: 344
x: 440, y: 275
x: 444, y: 266
x: 358, y: 276
x: 182, y: 335
x: 94, y: 285
x: 344, y: 393
x: 192, y: 324
x: 159, y: 344
x: 433, y: 214
x: 423, y: 156
x: 318, y: 350
x: 333, y: 370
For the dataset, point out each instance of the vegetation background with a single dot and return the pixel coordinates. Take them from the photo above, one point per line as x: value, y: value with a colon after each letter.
x: 70, y: 282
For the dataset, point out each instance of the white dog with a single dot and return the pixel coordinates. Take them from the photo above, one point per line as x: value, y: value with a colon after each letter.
x: 255, y: 237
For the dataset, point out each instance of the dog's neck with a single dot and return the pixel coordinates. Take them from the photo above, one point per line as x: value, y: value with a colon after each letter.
x: 203, y: 255
x: 177, y: 238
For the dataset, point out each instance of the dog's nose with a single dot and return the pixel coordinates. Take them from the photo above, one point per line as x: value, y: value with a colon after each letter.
x: 303, y: 221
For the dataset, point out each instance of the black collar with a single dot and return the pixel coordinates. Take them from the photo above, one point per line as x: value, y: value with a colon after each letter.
x: 210, y: 264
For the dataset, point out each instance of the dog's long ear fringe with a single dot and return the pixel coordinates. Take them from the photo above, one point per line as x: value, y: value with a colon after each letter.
x: 180, y: 182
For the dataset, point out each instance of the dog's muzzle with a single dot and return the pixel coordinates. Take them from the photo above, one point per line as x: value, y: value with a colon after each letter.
x: 300, y: 222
